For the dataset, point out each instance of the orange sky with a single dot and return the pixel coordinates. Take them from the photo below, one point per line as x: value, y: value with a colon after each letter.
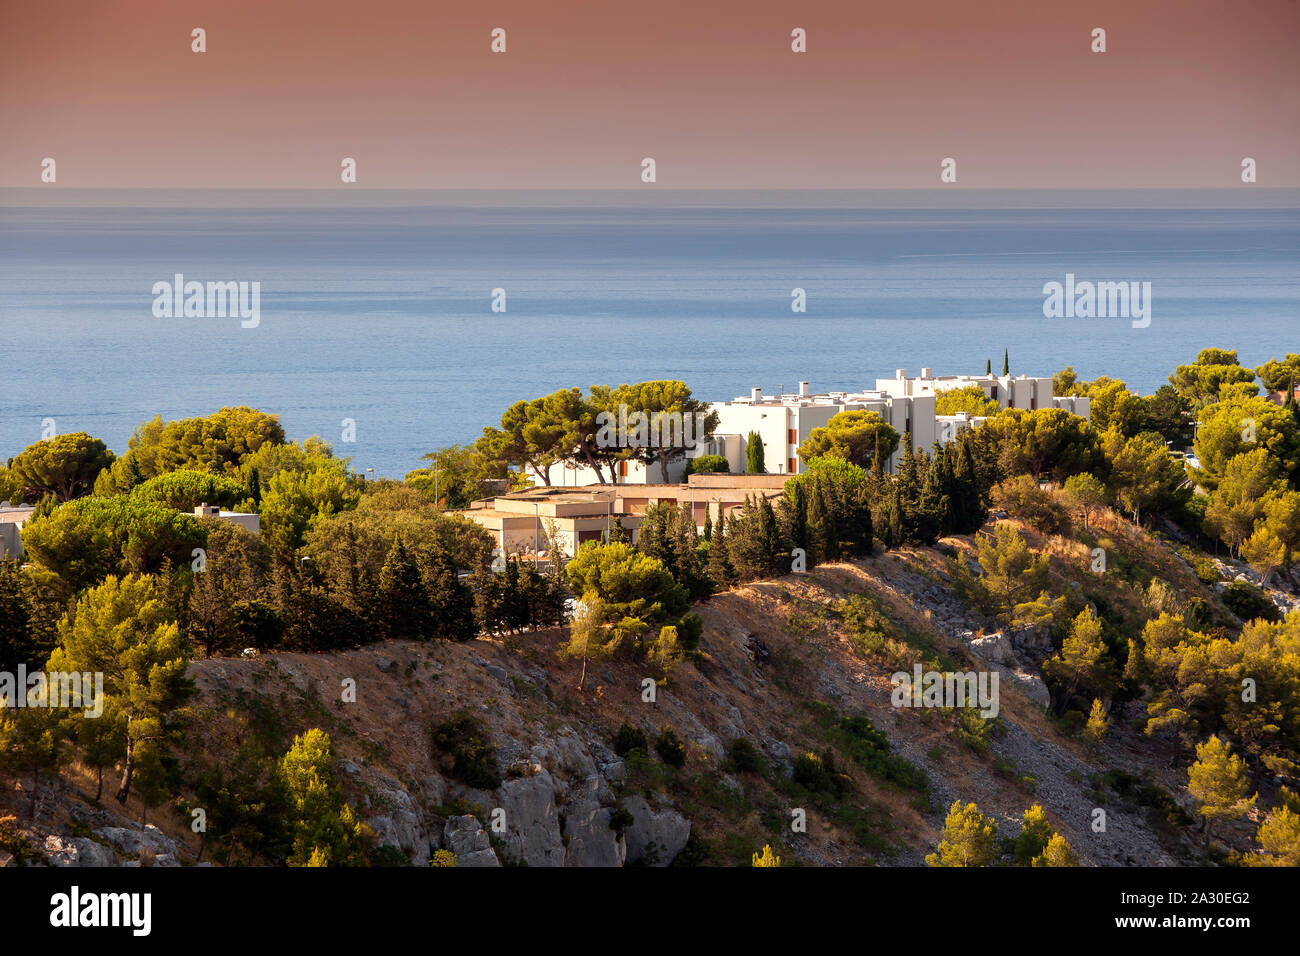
x: 110, y: 89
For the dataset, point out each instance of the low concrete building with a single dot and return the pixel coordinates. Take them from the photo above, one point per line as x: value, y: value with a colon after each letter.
x: 249, y: 522
x: 12, y: 519
x: 540, y: 519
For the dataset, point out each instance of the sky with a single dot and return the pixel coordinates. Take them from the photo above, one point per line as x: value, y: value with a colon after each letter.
x: 712, y: 91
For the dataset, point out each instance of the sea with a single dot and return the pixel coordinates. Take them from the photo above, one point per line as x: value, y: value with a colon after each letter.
x: 393, y: 323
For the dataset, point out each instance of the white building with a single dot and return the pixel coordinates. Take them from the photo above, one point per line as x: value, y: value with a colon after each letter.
x: 1019, y: 391
x: 783, y: 422
x: 12, y: 519
x: 251, y: 523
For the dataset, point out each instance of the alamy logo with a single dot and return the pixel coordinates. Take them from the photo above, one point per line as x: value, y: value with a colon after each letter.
x: 946, y: 689
x: 1101, y: 300
x: 211, y: 300
x: 63, y: 690
x: 73, y: 909
x: 659, y: 430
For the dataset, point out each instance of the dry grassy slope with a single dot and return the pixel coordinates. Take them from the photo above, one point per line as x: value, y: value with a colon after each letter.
x: 527, y: 697
x: 729, y: 694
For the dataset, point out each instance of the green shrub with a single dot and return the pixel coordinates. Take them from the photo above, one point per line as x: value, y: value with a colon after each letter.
x: 746, y: 758
x: 670, y: 748
x: 708, y: 465
x: 817, y: 774
x: 463, y: 741
x: 388, y: 855
x: 629, y: 739
x: 1249, y: 602
x: 870, y: 748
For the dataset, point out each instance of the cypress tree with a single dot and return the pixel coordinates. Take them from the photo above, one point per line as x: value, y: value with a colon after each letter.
x: 1006, y: 362
x: 988, y: 366
x: 820, y: 530
x: 403, y: 602
x: 773, y: 553
x: 720, y: 568
x: 754, y: 463
x: 798, y: 504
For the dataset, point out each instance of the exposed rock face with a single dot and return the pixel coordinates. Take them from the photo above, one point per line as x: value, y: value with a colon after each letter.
x: 130, y: 841
x: 1031, y: 685
x: 995, y: 648
x: 532, y: 820
x: 466, y: 838
x: 76, y: 851
x: 654, y: 838
x: 591, y: 841
x: 402, y: 825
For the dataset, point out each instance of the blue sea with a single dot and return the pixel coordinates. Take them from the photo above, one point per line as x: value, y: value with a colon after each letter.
x: 376, y: 307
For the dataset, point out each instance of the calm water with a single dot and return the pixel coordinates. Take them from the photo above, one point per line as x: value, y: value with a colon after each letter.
x: 382, y: 314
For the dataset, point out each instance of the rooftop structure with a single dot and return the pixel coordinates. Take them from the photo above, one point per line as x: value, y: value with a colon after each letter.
x: 12, y: 519
x: 251, y: 523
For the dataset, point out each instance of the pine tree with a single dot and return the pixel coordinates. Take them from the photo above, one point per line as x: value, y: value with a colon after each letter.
x: 968, y: 838
x: 1279, y: 838
x: 1058, y: 852
x: 1097, y: 722
x: 708, y: 526
x: 766, y: 857
x: 1218, y: 781
x: 1035, y: 833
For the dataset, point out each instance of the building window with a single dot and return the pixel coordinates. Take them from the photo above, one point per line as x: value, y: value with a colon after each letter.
x: 994, y: 393
x: 1033, y: 404
x: 622, y: 469
x: 793, y: 466
x: 794, y: 437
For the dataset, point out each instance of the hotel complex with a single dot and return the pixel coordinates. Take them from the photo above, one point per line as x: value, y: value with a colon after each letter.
x: 577, y: 507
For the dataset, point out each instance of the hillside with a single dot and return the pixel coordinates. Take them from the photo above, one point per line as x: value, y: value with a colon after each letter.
x: 790, y: 666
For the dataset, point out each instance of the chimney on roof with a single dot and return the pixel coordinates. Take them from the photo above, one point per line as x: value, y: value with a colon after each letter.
x: 755, y: 394
x: 803, y: 390
x: 927, y: 373
x: 204, y: 508
x: 900, y: 373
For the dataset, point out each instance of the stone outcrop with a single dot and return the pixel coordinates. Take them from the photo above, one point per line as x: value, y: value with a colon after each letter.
x: 466, y: 837
x: 654, y: 839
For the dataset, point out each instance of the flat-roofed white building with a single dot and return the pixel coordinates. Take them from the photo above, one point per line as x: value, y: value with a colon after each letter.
x: 251, y: 523
x: 12, y: 519
x: 1018, y: 391
x: 783, y: 422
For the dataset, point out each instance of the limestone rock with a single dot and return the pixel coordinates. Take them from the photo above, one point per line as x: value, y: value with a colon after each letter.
x: 995, y: 648
x: 129, y: 841
x: 532, y: 820
x: 466, y: 837
x: 654, y: 838
x: 402, y: 825
x: 591, y: 841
